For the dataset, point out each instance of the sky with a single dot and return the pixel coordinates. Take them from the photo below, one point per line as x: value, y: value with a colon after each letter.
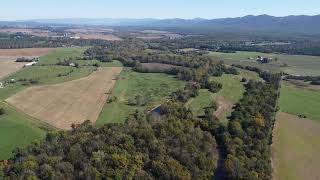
x: 187, y: 9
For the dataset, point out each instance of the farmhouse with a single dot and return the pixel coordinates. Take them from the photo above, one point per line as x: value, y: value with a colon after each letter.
x: 30, y: 64
x: 264, y: 60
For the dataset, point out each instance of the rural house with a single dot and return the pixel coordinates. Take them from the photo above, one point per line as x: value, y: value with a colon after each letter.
x: 264, y: 60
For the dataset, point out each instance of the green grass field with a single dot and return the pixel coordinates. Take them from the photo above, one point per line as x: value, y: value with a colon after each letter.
x: 296, y: 147
x: 300, y: 101
x: 297, y: 64
x: 61, y: 53
x: 16, y: 130
x: 130, y: 84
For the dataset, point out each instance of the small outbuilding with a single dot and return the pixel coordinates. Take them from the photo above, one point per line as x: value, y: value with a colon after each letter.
x: 30, y: 64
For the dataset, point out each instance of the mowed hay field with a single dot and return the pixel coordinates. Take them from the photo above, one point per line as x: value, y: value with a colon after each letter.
x: 300, y: 101
x: 74, y: 102
x: 16, y: 130
x: 296, y: 148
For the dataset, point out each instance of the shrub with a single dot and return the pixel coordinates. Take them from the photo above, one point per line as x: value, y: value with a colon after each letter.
x: 2, y: 111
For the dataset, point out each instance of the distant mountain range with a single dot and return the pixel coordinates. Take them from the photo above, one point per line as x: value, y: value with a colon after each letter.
x: 298, y: 24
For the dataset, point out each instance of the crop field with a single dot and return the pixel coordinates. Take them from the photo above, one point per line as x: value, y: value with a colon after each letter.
x: 102, y: 36
x: 300, y: 101
x: 43, y: 75
x: 16, y: 130
x: 153, y: 86
x: 73, y: 102
x: 46, y: 72
x: 231, y: 92
x: 295, y: 64
x: 8, y: 67
x: 8, y: 57
x: 95, y: 33
x: 28, y: 52
x: 295, y: 149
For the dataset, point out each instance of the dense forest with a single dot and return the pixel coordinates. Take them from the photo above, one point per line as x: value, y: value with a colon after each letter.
x: 248, y: 136
x: 212, y: 43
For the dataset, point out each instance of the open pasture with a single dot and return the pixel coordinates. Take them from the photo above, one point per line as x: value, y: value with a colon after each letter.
x: 300, y: 101
x: 295, y: 149
x: 73, y: 102
x: 154, y: 87
x: 291, y: 64
x: 16, y: 130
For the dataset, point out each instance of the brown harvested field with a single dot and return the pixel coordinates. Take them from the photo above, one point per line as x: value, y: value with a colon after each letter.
x: 27, y: 52
x: 91, y: 30
x: 68, y: 103
x: 107, y: 37
x: 8, y: 67
x: 296, y: 148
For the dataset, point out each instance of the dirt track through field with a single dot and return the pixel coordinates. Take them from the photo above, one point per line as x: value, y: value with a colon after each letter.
x: 224, y: 106
x: 68, y: 103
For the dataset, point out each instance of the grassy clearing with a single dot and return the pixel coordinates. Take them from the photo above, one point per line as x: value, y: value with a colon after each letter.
x: 61, y: 53
x: 130, y: 84
x: 232, y: 91
x: 300, y: 101
x: 297, y: 64
x: 16, y: 130
x: 296, y: 148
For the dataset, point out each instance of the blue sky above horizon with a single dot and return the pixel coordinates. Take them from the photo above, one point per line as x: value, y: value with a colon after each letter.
x: 188, y: 9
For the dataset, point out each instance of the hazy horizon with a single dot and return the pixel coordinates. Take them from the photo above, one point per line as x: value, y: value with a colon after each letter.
x: 98, y: 9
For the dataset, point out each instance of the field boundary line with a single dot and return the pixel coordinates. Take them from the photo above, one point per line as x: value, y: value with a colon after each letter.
x: 33, y: 120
